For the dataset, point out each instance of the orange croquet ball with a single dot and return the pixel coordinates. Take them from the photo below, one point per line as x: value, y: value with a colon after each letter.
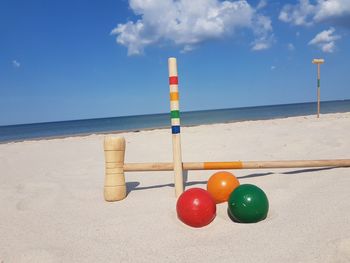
x: 220, y: 185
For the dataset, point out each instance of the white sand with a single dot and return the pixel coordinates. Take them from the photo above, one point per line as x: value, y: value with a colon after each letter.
x: 52, y: 206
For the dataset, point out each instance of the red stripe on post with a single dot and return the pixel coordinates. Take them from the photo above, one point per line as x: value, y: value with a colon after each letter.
x: 173, y: 80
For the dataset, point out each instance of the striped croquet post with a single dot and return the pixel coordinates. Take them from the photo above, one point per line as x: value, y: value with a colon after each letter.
x: 175, y: 126
x: 318, y: 62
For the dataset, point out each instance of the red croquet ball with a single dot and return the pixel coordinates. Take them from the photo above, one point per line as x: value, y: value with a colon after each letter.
x: 195, y: 207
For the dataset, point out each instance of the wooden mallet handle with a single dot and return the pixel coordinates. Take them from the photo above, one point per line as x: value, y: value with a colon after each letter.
x: 114, y: 188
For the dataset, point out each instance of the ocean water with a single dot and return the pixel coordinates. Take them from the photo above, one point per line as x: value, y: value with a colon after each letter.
x: 141, y: 122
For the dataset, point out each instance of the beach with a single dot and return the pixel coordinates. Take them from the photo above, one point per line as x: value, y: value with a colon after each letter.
x: 53, y: 210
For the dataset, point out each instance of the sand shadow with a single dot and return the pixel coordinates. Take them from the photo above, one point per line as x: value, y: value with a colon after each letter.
x: 131, y: 186
x: 195, y: 182
x: 308, y: 170
x: 134, y: 186
x: 254, y: 175
x: 186, y: 183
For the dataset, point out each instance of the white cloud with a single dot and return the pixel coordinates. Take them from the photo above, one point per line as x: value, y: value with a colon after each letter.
x: 187, y: 48
x: 290, y: 47
x: 264, y: 37
x: 257, y: 45
x: 328, y: 47
x: 261, y: 4
x: 306, y: 13
x: 332, y: 9
x: 298, y: 14
x: 187, y: 23
x: 16, y: 64
x: 325, y: 40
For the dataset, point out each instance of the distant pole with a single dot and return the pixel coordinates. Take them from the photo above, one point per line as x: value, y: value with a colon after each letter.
x: 318, y: 61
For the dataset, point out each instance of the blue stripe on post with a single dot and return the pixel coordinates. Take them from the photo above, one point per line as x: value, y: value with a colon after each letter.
x: 175, y: 129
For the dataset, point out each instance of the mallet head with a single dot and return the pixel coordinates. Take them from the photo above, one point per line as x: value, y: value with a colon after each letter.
x: 114, y: 187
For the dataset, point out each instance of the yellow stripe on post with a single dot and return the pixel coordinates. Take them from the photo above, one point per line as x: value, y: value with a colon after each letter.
x: 174, y: 96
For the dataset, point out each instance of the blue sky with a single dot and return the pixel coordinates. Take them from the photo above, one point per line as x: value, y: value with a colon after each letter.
x: 64, y: 60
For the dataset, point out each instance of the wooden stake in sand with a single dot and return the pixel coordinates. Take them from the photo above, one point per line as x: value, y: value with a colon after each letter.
x: 318, y: 61
x: 175, y: 126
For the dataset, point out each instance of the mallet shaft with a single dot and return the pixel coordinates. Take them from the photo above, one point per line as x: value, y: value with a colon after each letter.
x: 133, y: 167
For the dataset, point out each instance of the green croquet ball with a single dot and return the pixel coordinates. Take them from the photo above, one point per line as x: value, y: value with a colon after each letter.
x: 248, y: 204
